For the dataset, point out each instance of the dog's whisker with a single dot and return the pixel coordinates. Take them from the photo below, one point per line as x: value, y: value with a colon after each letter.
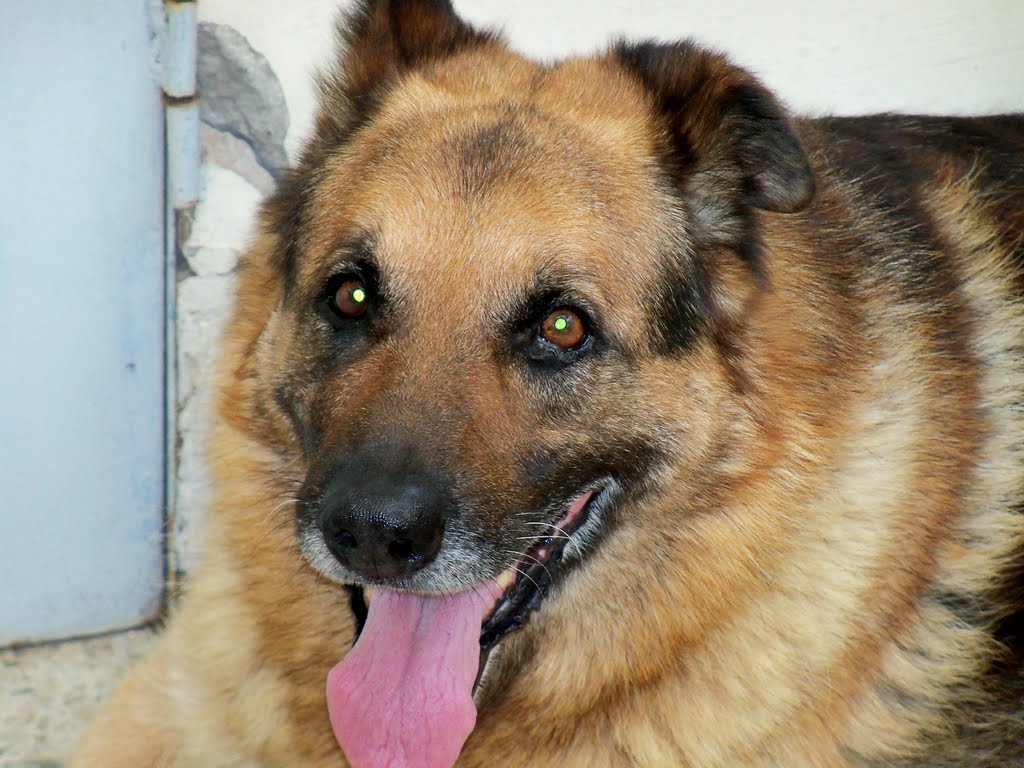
x: 555, y: 536
x: 518, y: 558
x: 541, y: 563
x: 554, y: 532
x: 564, y: 533
x: 495, y: 596
x: 524, y: 574
x: 284, y: 503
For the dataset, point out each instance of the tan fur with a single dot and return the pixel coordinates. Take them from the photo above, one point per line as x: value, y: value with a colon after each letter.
x: 838, y: 470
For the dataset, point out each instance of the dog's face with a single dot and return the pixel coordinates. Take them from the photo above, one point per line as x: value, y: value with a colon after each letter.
x: 476, y: 335
x: 510, y: 268
x: 508, y: 294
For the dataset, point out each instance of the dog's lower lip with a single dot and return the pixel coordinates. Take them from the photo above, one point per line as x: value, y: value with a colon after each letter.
x: 528, y: 581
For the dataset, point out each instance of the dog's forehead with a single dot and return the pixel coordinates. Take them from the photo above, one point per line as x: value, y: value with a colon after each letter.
x: 481, y: 196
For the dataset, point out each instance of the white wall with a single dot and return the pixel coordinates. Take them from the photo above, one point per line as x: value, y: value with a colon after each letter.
x: 938, y: 56
x: 948, y: 56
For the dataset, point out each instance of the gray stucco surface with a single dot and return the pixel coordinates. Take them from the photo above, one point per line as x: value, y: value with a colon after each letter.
x: 241, y: 95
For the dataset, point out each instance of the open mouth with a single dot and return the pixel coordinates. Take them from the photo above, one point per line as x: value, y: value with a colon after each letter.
x: 521, y: 589
x: 410, y: 682
x: 527, y: 583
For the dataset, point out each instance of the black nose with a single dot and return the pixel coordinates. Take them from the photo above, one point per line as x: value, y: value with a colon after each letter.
x: 381, y: 528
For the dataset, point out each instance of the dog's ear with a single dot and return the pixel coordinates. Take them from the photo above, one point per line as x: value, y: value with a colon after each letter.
x: 380, y: 40
x: 732, y: 144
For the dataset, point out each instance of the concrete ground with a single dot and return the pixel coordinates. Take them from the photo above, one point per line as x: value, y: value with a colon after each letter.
x: 49, y: 693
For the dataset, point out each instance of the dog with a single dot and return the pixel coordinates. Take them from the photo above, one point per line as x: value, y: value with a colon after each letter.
x: 605, y: 414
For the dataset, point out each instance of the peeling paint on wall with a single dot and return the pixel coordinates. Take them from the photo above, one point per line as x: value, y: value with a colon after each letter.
x: 241, y: 95
x: 244, y: 123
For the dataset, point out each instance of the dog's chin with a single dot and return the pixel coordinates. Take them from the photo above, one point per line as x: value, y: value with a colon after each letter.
x: 519, y: 591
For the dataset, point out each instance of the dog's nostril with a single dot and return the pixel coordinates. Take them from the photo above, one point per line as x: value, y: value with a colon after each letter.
x: 381, y: 528
x: 402, y: 549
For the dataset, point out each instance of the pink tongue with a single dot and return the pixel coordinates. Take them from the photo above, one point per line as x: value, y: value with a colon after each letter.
x: 402, y: 697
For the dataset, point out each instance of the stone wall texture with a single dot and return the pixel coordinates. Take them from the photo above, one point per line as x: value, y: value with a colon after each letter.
x: 247, y: 139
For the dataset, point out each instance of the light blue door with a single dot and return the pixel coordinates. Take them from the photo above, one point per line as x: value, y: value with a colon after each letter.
x: 81, y: 318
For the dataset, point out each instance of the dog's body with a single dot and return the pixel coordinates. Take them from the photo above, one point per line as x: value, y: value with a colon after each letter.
x: 796, y: 410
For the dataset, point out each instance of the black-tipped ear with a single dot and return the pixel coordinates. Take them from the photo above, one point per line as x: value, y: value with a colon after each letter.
x: 378, y: 41
x: 732, y: 139
x: 777, y: 175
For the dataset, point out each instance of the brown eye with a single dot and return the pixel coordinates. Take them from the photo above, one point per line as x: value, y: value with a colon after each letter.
x: 563, y: 328
x: 351, y: 299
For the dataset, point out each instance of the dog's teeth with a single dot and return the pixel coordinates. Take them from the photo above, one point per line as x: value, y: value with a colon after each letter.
x: 367, y: 595
x: 506, y: 579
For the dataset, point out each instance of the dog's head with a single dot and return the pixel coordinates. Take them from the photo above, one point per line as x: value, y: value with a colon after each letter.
x: 500, y: 311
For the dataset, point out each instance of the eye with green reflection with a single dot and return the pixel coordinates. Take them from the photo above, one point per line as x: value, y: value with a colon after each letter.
x: 351, y: 299
x: 563, y: 328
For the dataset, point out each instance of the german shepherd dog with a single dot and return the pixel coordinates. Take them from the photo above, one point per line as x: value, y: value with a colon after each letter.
x: 603, y: 414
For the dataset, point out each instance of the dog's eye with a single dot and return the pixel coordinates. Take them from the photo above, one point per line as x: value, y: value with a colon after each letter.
x: 351, y: 299
x: 563, y: 328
